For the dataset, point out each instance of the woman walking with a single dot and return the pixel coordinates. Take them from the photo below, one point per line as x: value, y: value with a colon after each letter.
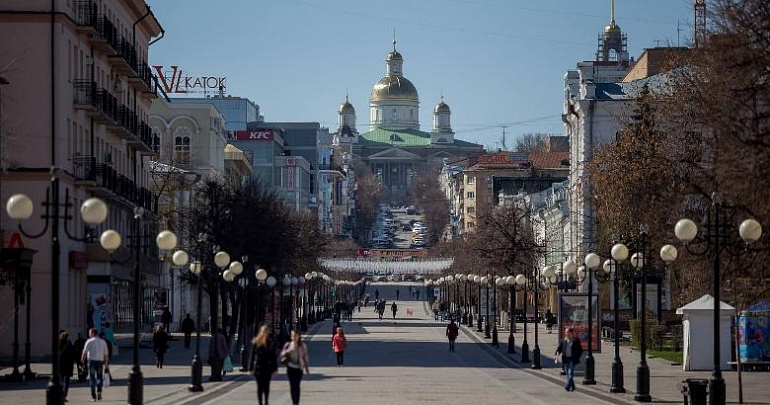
x: 67, y: 358
x: 160, y: 345
x: 339, y: 343
x: 294, y: 354
x: 264, y: 363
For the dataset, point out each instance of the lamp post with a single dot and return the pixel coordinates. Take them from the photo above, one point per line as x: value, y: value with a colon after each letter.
x: 713, y: 242
x: 592, y: 262
x: 234, y: 271
x: 639, y: 262
x: 261, y: 276
x: 521, y: 282
x: 271, y: 282
x: 93, y: 212
x: 619, y: 255
x: 468, y: 278
x: 511, y: 281
x: 221, y: 260
x: 477, y: 280
x: 166, y: 241
x: 485, y: 283
x: 499, y: 282
x: 196, y: 377
x: 546, y: 274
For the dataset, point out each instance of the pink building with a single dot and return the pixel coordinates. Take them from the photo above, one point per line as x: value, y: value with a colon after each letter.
x: 76, y: 96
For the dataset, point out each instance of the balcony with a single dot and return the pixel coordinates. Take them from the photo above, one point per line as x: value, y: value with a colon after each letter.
x: 97, y: 102
x: 84, y: 168
x: 125, y: 60
x: 86, y: 16
x: 106, y: 38
x: 142, y: 140
x: 143, y: 79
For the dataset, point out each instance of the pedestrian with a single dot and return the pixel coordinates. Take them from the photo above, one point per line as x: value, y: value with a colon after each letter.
x: 339, y: 343
x: 166, y: 319
x: 159, y: 345
x: 394, y: 309
x: 381, y: 308
x: 188, y: 327
x: 295, y: 354
x: 80, y: 342
x: 96, y: 355
x: 451, y: 333
x: 550, y: 320
x: 376, y: 294
x: 67, y: 357
x: 217, y: 352
x: 570, y: 351
x: 263, y: 363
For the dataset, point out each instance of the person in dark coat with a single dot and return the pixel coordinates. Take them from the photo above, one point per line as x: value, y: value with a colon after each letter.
x: 188, y: 327
x: 166, y: 317
x: 67, y: 358
x: 109, y: 344
x: 570, y: 351
x: 160, y: 345
x: 264, y: 363
x: 451, y: 333
x: 79, y: 344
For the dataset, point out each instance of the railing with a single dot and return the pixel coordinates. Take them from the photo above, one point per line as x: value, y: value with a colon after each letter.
x: 85, y: 92
x: 127, y: 52
x: 107, y: 32
x: 86, y: 13
x: 144, y: 72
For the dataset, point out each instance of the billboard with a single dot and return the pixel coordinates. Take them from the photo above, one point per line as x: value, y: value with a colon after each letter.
x: 256, y: 135
x: 573, y: 313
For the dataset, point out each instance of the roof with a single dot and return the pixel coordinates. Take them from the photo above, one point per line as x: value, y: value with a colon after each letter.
x: 704, y: 303
x: 630, y: 90
x: 513, y: 160
x: 404, y: 137
x: 762, y: 306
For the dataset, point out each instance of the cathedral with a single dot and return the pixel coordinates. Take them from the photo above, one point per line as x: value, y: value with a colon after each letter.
x: 394, y: 147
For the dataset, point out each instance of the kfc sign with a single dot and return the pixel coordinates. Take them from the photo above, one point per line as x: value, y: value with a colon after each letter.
x: 175, y: 82
x: 258, y: 135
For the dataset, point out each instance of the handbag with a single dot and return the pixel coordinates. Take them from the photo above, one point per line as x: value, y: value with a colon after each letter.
x: 228, y: 365
x: 106, y: 380
x: 285, y: 357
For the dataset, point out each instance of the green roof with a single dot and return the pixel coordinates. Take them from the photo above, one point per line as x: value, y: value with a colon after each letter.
x: 404, y: 137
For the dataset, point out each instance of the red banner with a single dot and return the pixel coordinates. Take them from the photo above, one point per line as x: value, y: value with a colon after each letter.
x: 573, y: 313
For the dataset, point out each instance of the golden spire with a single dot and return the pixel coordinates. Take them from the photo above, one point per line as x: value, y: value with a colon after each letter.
x: 612, y: 13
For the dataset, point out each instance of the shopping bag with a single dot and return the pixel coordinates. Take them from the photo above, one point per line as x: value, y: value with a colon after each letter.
x: 106, y: 380
x: 228, y: 365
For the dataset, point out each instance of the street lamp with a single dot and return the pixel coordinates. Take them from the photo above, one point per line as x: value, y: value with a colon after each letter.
x: 196, y: 379
x: 521, y: 282
x: 234, y: 271
x: 639, y: 261
x: 592, y: 262
x: 545, y: 274
x: 468, y: 278
x: 166, y: 241
x: 713, y: 242
x: 511, y: 281
x: 271, y: 281
x: 221, y: 260
x: 485, y: 282
x: 94, y: 212
x: 499, y: 282
x: 619, y: 255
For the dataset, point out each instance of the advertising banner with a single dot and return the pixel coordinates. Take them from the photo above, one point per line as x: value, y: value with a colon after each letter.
x: 573, y: 313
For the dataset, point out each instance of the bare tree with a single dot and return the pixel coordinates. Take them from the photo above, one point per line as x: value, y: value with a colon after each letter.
x: 532, y: 142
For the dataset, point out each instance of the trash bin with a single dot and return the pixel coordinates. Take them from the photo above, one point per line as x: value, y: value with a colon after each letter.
x: 697, y: 391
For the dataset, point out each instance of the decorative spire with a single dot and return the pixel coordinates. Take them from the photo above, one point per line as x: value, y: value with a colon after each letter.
x: 612, y: 13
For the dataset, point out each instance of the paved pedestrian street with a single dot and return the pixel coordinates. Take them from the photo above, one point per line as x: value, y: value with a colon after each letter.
x: 401, y: 361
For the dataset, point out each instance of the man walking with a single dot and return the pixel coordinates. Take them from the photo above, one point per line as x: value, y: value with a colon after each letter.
x: 451, y: 333
x: 96, y: 354
x: 188, y: 327
x: 394, y: 308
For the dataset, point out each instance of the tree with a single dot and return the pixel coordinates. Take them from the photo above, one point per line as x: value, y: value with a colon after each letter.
x: 369, y: 195
x: 433, y: 203
x: 532, y: 142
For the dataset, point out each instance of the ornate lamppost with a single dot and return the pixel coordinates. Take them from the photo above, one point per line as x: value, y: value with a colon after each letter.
x: 521, y: 283
x: 196, y: 379
x: 713, y: 241
x: 537, y: 285
x: 93, y: 212
x: 619, y: 255
x: 511, y: 282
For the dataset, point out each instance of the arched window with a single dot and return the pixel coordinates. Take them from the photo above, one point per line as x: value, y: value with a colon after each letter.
x: 395, y: 115
x: 182, y: 148
x: 156, y: 140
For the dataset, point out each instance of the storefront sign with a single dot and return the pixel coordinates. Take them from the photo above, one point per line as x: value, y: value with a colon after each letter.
x: 258, y: 135
x: 176, y: 82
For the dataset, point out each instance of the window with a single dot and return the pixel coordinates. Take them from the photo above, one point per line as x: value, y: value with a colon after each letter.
x: 471, y: 226
x: 182, y: 145
x: 156, y: 140
x: 471, y: 210
x: 395, y: 115
x: 471, y: 179
x: 470, y: 195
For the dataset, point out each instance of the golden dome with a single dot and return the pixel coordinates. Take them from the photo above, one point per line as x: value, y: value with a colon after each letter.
x: 612, y: 27
x: 442, y: 108
x: 394, y: 88
x: 347, y: 108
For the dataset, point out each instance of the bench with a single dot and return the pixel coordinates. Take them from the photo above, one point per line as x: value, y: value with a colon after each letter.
x: 751, y: 365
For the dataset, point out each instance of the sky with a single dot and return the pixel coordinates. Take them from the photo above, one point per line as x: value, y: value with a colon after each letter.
x: 499, y: 64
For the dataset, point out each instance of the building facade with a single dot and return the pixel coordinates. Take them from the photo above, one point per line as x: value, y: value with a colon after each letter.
x: 77, y: 110
x: 395, y: 148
